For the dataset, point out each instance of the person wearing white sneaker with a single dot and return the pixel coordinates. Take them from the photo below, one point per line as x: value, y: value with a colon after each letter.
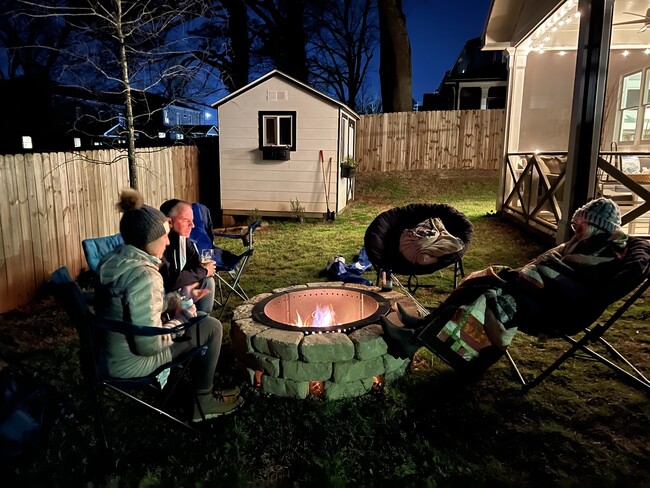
x: 133, y: 290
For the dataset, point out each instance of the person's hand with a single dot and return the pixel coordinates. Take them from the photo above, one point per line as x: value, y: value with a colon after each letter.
x: 209, y: 267
x: 197, y: 294
x: 173, y: 303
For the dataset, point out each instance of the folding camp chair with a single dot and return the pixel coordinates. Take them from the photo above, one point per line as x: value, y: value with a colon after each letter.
x: 630, y: 283
x: 92, y: 329
x: 96, y: 247
x: 229, y: 266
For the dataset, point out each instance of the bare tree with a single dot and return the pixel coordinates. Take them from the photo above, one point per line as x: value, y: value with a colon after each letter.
x: 25, y: 43
x: 279, y: 31
x: 226, y: 42
x: 127, y: 48
x: 395, y: 71
x: 343, y: 47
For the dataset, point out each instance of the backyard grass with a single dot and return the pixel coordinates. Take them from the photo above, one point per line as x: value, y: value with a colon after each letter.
x: 581, y: 427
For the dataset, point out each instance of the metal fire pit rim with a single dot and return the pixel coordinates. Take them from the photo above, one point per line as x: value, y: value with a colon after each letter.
x: 383, y: 307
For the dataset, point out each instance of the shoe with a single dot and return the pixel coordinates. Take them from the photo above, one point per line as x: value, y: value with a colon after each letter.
x: 227, y: 392
x: 402, y: 342
x: 212, y: 407
x: 413, y: 322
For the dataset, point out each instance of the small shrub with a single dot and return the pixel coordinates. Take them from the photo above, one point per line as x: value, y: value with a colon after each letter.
x: 254, y: 215
x: 297, y: 210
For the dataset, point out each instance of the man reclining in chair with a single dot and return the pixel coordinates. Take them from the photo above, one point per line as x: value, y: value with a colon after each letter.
x: 567, y: 286
x: 182, y: 269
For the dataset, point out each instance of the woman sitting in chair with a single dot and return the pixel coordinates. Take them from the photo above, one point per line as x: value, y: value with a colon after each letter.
x: 561, y: 291
x: 134, y: 293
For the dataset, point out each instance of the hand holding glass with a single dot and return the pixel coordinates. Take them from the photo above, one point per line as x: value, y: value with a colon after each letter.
x: 206, y: 256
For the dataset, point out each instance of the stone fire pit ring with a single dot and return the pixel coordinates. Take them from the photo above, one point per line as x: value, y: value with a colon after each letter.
x: 331, y: 365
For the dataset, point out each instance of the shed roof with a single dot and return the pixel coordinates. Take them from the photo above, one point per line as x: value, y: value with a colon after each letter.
x: 280, y: 74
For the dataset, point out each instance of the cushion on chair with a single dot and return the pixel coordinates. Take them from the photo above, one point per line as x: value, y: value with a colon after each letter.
x: 382, y: 237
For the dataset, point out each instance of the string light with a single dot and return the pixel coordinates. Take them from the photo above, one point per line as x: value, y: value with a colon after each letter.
x: 562, y: 16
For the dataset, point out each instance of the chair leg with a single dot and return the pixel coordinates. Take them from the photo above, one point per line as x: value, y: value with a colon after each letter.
x: 582, y: 345
x: 515, y: 368
x: 151, y: 407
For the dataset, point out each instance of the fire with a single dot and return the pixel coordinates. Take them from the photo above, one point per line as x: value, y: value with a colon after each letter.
x: 321, y: 317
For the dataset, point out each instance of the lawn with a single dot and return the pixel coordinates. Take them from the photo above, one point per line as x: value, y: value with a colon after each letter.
x: 581, y: 427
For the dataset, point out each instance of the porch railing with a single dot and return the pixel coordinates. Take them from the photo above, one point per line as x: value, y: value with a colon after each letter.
x: 534, y: 187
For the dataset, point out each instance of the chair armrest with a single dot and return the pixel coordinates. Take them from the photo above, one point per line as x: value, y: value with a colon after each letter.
x: 127, y: 328
x: 246, y: 237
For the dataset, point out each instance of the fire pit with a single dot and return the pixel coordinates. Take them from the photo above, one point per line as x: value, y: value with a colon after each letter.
x: 318, y: 310
x: 316, y: 340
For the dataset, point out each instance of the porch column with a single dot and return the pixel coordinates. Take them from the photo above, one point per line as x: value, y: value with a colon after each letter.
x: 586, y: 113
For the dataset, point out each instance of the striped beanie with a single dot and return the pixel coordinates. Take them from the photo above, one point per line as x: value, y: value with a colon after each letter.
x: 602, y: 213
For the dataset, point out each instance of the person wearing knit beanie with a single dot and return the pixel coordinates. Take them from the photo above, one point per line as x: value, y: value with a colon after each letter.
x: 133, y: 290
x: 142, y: 225
x: 601, y: 213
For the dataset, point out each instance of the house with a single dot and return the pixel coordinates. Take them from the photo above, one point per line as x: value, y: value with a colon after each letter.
x: 578, y: 111
x: 478, y: 80
x: 43, y: 116
x: 282, y: 142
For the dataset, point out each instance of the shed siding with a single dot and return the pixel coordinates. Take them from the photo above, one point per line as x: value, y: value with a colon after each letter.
x: 248, y: 182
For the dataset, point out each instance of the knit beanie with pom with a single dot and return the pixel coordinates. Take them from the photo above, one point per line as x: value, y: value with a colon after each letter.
x: 140, y: 224
x: 602, y: 213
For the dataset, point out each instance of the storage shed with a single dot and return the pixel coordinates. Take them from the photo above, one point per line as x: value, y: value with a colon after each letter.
x: 281, y: 145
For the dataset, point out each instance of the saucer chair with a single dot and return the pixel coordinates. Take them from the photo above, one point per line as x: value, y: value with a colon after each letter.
x: 382, y: 240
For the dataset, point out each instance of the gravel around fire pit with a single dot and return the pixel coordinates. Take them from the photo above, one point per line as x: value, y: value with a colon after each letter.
x: 333, y: 365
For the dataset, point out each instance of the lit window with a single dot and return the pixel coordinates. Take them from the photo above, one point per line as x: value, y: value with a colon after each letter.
x: 634, y: 108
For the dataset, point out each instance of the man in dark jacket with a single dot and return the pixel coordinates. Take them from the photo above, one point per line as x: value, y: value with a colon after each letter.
x: 181, y: 268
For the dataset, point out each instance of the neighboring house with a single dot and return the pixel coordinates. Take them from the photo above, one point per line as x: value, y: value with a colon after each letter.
x: 578, y: 114
x: 478, y: 80
x: 192, y: 132
x: 43, y: 116
x: 272, y: 135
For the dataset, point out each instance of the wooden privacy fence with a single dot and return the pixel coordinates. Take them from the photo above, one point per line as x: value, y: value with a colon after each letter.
x: 50, y: 202
x: 450, y: 139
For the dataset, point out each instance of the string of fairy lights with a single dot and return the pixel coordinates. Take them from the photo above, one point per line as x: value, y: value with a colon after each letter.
x: 566, y: 14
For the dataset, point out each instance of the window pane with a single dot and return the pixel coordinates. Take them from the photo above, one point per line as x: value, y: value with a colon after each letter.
x: 645, y: 131
x: 270, y: 133
x: 285, y: 131
x: 646, y: 92
x: 628, y: 125
x: 631, y: 90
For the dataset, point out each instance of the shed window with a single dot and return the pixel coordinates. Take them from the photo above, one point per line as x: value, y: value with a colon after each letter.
x: 277, y: 129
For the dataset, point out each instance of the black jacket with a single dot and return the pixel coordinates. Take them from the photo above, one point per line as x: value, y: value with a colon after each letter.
x: 174, y: 277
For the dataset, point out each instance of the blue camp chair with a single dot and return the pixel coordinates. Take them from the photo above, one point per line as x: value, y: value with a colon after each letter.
x: 95, y: 248
x: 97, y: 381
x: 229, y: 266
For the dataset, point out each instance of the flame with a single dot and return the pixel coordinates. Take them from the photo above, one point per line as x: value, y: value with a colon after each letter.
x: 321, y: 317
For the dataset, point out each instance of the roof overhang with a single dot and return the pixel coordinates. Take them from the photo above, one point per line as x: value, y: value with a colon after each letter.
x: 510, y: 21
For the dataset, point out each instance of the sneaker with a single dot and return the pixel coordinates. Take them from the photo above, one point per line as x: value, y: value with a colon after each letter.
x: 212, y: 407
x: 227, y: 392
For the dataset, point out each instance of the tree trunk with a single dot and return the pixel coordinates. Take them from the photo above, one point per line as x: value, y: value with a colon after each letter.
x: 395, y: 72
x: 128, y: 102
